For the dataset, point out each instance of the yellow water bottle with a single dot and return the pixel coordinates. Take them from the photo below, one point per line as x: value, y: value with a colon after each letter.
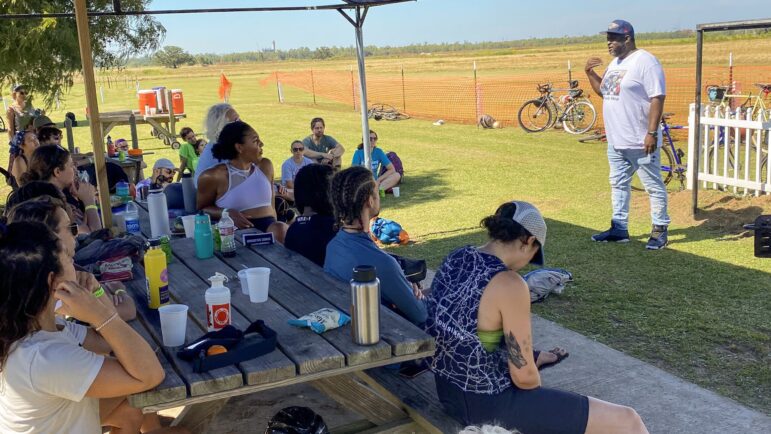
x: 157, y: 275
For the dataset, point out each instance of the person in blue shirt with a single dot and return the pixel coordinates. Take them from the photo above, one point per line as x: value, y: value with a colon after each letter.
x: 355, y: 201
x: 390, y: 178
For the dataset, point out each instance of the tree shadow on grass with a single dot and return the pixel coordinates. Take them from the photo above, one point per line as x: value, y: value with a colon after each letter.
x: 416, y: 190
x: 701, y: 319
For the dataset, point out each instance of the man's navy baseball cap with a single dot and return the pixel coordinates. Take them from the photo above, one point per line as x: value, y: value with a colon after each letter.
x: 620, y: 27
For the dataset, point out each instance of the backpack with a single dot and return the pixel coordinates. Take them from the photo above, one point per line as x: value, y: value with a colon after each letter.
x: 486, y: 121
x: 396, y: 161
x: 544, y: 281
x: 388, y: 232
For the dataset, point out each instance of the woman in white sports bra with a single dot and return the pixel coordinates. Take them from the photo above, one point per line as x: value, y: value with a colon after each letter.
x: 243, y: 185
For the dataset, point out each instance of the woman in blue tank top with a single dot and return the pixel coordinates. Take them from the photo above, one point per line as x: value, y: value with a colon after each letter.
x: 477, y: 291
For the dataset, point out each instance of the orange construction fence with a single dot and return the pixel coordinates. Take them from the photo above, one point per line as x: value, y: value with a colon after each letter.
x: 463, y: 99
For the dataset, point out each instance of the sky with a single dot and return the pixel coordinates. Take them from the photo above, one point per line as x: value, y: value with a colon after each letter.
x: 432, y: 21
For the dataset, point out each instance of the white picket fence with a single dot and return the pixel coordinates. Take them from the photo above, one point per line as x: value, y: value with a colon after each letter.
x: 734, y: 151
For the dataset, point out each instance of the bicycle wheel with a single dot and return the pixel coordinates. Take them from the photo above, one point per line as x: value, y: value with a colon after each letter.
x: 736, y: 166
x: 2, y: 125
x: 668, y: 167
x: 579, y: 117
x: 535, y: 115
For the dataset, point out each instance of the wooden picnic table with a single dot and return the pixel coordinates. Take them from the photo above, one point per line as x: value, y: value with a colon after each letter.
x: 331, y: 362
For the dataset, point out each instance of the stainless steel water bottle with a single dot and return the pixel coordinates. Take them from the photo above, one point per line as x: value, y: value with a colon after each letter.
x: 365, y: 305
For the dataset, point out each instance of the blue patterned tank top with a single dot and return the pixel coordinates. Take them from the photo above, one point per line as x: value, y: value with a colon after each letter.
x: 453, y: 309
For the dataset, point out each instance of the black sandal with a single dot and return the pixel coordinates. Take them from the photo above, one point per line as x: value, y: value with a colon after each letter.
x: 555, y: 351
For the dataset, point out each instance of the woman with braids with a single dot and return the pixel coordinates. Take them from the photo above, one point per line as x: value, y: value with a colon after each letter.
x: 243, y: 185
x: 52, y: 212
x: 311, y: 232
x: 52, y: 163
x: 479, y: 313
x: 55, y: 375
x: 356, y: 200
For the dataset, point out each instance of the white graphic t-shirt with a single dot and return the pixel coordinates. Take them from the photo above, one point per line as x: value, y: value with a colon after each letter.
x: 627, y: 88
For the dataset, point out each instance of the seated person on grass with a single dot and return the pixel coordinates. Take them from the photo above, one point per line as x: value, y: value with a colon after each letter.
x: 57, y: 375
x: 356, y: 200
x: 163, y: 175
x: 188, y: 152
x: 322, y: 148
x: 243, y: 185
x: 54, y: 164
x: 51, y: 211
x: 315, y: 227
x: 293, y: 164
x: 390, y: 178
x: 484, y: 366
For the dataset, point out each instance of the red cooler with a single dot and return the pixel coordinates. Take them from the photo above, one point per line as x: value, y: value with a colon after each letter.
x: 146, y: 99
x: 177, y: 101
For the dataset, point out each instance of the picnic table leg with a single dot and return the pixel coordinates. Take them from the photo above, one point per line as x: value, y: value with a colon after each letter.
x: 354, y: 394
x: 197, y: 417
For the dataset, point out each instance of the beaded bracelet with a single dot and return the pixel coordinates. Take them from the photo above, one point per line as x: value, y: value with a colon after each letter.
x: 115, y: 315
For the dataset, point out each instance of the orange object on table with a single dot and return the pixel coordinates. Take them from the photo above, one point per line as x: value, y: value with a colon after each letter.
x: 177, y: 101
x: 216, y: 349
x: 135, y: 152
x: 147, y: 99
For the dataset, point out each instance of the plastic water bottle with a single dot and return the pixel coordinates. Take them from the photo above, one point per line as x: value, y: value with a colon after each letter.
x: 217, y: 303
x: 131, y: 217
x: 110, y: 147
x: 204, y: 244
x: 159, y: 214
x: 156, y: 275
x: 122, y: 191
x: 188, y: 193
x: 227, y: 235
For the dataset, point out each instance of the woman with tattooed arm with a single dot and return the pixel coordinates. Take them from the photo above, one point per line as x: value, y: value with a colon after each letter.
x: 479, y: 313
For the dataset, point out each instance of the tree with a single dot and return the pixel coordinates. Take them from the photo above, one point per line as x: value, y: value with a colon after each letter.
x: 322, y: 53
x: 172, y: 57
x: 43, y: 54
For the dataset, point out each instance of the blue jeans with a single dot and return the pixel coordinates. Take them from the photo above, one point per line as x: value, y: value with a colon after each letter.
x: 623, y: 165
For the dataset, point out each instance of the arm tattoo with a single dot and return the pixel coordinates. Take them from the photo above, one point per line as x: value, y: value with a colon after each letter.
x: 514, y: 351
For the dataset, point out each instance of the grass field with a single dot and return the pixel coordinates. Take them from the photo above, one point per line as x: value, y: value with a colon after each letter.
x: 699, y: 309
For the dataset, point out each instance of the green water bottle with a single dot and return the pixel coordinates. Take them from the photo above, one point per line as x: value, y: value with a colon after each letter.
x: 215, y: 233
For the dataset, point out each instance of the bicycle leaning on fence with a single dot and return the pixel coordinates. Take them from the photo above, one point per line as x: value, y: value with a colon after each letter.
x: 672, y: 164
x: 573, y: 110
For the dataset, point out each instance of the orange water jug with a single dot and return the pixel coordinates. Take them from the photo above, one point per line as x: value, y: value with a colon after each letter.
x: 146, y: 101
x: 177, y: 101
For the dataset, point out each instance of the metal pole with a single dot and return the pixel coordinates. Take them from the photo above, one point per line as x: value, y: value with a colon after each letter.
x: 84, y: 38
x: 353, y: 90
x: 476, y: 95
x: 363, y: 87
x: 404, y: 97
x: 313, y: 87
x: 697, y: 125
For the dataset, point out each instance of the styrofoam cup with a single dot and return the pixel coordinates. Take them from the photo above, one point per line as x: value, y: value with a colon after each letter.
x: 244, y: 282
x: 396, y: 191
x: 173, y: 324
x: 188, y: 222
x: 258, y: 279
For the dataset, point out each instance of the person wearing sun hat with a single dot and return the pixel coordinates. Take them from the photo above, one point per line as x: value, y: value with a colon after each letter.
x: 633, y: 90
x: 484, y: 365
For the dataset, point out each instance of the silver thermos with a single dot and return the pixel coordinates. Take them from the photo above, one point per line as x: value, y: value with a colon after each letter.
x: 365, y: 305
x: 188, y: 193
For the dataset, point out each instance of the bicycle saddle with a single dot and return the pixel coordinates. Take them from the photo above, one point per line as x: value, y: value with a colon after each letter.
x: 543, y: 88
x: 765, y: 87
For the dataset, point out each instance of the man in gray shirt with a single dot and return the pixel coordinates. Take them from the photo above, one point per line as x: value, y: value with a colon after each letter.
x: 322, y: 148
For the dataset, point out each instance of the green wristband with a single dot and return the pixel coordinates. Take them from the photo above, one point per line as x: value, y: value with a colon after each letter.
x: 99, y: 292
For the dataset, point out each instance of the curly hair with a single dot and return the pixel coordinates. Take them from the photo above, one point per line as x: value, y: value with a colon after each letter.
x: 502, y: 227
x: 351, y: 188
x: 45, y: 160
x: 29, y: 254
x: 31, y: 190
x: 311, y: 188
x: 46, y: 133
x: 234, y: 132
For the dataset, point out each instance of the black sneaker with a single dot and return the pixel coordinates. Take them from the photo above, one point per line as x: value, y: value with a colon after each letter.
x: 612, y: 235
x: 658, y: 239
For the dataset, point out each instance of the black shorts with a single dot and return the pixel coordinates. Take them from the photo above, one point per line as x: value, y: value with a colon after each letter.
x: 540, y: 410
x: 262, y: 223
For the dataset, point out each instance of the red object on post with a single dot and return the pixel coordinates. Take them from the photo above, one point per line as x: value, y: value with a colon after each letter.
x: 225, y: 87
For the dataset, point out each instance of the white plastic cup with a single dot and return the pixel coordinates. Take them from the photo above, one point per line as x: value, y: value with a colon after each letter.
x: 147, y: 110
x: 244, y: 282
x: 188, y: 222
x: 258, y: 279
x: 396, y: 191
x: 153, y: 111
x: 173, y: 324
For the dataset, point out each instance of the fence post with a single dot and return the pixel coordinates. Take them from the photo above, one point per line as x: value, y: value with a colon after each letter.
x: 477, y: 100
x: 404, y: 98
x: 353, y: 90
x: 313, y: 87
x: 101, y: 92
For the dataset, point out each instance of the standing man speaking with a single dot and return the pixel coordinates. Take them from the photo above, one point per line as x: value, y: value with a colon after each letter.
x: 633, y: 92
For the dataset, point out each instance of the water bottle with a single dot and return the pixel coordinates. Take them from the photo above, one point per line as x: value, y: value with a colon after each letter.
x: 110, y: 147
x: 188, y: 193
x: 131, y: 217
x: 217, y: 303
x: 156, y: 275
x: 122, y: 191
x: 204, y: 244
x: 159, y: 214
x: 365, y: 305
x: 227, y: 235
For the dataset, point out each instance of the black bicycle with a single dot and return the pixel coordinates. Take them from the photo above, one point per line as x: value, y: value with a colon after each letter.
x: 573, y: 110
